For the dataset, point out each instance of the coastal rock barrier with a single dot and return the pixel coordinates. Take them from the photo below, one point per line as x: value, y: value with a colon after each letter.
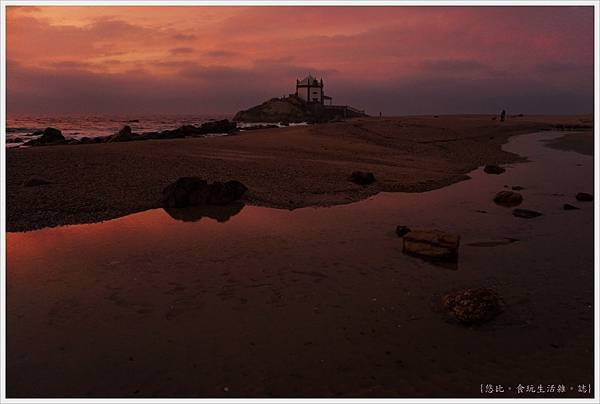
x: 53, y: 136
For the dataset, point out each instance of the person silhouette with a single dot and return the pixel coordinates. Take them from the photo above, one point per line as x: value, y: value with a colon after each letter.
x: 502, y: 116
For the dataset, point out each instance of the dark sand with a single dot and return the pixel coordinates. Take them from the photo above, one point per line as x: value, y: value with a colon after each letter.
x: 285, y: 168
x: 314, y: 302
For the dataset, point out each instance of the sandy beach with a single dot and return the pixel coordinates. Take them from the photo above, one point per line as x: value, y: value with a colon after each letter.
x: 284, y: 168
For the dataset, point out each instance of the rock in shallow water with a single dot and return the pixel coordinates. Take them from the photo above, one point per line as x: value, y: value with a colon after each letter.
x: 472, y: 306
x: 433, y: 244
x: 493, y: 169
x: 362, y: 177
x: 194, y: 191
x: 508, y: 198
x: 568, y: 206
x: 526, y: 213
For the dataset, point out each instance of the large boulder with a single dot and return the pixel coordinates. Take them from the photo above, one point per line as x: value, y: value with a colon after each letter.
x: 433, y: 244
x: 194, y: 191
x: 50, y: 136
x: 472, y: 306
x: 508, y: 198
x: 362, y: 177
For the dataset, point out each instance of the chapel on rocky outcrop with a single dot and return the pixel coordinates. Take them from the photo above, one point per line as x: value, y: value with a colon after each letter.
x: 310, y: 89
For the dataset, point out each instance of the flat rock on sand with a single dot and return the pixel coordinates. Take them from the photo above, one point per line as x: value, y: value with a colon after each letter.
x: 433, y: 244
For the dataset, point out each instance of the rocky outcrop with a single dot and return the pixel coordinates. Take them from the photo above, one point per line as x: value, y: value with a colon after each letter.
x: 194, y: 191
x: 432, y: 244
x: 472, y: 306
x: 508, y: 198
x: 294, y: 109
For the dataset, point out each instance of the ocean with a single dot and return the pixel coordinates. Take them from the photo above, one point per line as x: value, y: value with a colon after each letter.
x: 78, y: 126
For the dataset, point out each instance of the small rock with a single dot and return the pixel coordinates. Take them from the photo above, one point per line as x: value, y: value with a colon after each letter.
x: 517, y: 188
x: 362, y: 177
x: 493, y: 169
x: 401, y: 231
x: 472, y: 306
x: 35, y: 181
x: 508, y: 198
x: 526, y: 213
x: 433, y: 244
x: 567, y: 206
x: 584, y: 197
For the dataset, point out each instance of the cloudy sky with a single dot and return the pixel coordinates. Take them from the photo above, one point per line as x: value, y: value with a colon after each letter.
x: 398, y: 60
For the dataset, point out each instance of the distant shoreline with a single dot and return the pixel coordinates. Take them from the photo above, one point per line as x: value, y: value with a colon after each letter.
x: 288, y: 168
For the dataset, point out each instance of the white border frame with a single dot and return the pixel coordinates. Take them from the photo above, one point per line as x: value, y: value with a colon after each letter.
x: 5, y: 3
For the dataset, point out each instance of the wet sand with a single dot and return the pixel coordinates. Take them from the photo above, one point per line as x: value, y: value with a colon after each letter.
x: 314, y: 302
x: 285, y: 168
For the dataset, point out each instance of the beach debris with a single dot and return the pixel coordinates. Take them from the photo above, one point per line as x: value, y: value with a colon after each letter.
x: 362, y: 177
x: 493, y: 169
x: 526, y: 213
x: 584, y: 197
x: 433, y: 244
x: 49, y: 136
x: 194, y: 191
x: 123, y: 135
x: 568, y: 206
x: 517, y: 188
x: 508, y: 198
x: 401, y: 231
x: 35, y: 181
x: 472, y: 306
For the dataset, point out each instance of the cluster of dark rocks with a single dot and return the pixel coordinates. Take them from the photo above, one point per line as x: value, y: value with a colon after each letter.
x: 53, y: 136
x: 194, y: 191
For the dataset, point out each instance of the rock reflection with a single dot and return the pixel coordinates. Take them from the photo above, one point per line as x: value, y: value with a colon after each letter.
x: 220, y: 213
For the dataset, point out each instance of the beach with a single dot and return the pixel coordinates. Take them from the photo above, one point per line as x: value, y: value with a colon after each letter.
x: 284, y: 168
x: 317, y: 301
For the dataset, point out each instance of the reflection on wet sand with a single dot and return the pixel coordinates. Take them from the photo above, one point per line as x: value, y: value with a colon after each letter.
x: 220, y: 213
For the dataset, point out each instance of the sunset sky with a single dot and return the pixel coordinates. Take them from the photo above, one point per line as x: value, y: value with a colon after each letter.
x: 398, y: 60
